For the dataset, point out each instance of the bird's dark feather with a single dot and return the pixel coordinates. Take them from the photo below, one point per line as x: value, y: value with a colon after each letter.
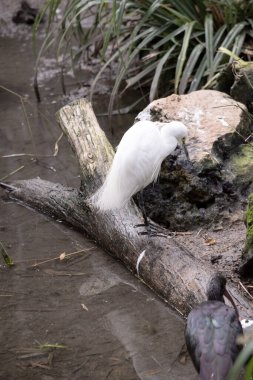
x: 211, y: 332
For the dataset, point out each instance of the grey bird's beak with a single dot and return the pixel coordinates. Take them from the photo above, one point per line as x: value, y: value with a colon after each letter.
x: 185, y: 149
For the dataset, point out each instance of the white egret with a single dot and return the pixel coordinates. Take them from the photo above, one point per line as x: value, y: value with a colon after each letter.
x: 137, y: 161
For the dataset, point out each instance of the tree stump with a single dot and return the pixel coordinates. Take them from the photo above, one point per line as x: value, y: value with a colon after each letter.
x: 166, y: 266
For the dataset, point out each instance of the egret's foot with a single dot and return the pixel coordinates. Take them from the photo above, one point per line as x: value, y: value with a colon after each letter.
x: 152, y: 234
x: 153, y: 230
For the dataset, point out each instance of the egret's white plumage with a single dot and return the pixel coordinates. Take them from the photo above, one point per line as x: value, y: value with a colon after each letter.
x: 137, y: 161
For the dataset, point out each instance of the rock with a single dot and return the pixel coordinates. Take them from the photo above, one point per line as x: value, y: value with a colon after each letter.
x: 241, y: 165
x: 198, y: 192
x: 215, y: 121
x: 26, y: 14
x: 247, y: 255
x: 225, y: 79
x: 237, y: 81
x: 242, y: 89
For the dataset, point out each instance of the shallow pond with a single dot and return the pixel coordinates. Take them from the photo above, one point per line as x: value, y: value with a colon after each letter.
x: 101, y: 321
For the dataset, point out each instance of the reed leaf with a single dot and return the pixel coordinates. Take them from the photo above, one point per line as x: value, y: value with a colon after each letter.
x: 189, y: 68
x: 116, y: 55
x: 176, y: 40
x: 241, y: 361
x: 182, y: 55
x: 198, y: 76
x: 227, y: 42
x: 144, y: 72
x: 209, y: 40
x: 158, y: 72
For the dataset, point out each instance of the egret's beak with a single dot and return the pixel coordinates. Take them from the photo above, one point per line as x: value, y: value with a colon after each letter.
x: 185, y: 149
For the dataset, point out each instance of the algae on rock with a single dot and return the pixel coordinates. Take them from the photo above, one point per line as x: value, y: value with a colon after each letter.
x: 241, y: 165
x: 247, y: 256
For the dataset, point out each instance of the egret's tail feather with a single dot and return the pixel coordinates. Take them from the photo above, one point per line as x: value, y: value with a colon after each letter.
x: 104, y: 201
x: 109, y: 196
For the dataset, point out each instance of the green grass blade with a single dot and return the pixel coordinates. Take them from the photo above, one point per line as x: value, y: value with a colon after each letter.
x: 191, y: 63
x: 240, y: 361
x: 169, y: 37
x: 238, y: 44
x: 209, y: 40
x: 226, y: 43
x: 113, y: 25
x: 179, y: 18
x: 158, y: 71
x: 72, y: 21
x: 50, y: 346
x: 249, y: 370
x: 135, y: 79
x: 188, y: 8
x: 198, y: 76
x: 7, y: 259
x: 218, y: 36
x: 116, y: 55
x: 152, y: 35
x: 182, y: 55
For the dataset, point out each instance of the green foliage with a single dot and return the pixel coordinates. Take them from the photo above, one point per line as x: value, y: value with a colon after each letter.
x: 249, y: 224
x: 171, y: 46
x: 7, y: 259
x: 245, y: 359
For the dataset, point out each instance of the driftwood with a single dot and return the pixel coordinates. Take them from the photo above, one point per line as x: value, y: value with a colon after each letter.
x: 167, y: 267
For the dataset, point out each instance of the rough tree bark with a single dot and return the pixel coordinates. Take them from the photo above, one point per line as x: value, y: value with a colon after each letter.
x: 167, y: 267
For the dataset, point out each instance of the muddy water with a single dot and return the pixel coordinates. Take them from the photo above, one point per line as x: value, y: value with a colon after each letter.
x: 106, y: 323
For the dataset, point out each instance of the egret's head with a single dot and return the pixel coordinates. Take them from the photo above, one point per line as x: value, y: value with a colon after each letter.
x: 175, y: 129
x: 179, y: 131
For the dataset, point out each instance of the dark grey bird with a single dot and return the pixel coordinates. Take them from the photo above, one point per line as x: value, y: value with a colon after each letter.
x: 211, y: 332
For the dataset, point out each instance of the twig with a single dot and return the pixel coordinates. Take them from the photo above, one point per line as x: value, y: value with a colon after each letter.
x: 56, y: 145
x: 13, y: 172
x: 66, y: 255
x: 246, y: 291
x: 56, y: 150
x: 7, y: 187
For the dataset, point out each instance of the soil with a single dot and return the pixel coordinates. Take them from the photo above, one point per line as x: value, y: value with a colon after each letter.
x: 81, y: 318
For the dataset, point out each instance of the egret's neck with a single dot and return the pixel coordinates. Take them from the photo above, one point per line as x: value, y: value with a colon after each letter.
x: 170, y: 141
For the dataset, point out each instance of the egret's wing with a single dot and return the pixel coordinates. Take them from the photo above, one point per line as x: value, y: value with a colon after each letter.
x: 136, y: 163
x: 141, y: 159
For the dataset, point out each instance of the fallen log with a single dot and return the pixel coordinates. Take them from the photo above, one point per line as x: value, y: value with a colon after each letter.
x: 166, y: 266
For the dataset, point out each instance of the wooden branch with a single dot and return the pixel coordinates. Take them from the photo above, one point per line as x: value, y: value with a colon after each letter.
x: 88, y: 141
x: 167, y: 267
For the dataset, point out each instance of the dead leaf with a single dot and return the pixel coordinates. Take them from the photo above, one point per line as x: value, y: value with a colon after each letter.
x: 62, y: 256
x: 209, y: 241
x: 56, y: 146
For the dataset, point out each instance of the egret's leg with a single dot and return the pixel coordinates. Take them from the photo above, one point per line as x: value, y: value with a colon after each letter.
x: 151, y: 229
x: 142, y: 208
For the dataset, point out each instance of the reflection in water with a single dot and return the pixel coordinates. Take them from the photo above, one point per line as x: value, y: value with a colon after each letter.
x: 99, y: 284
x: 153, y: 339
